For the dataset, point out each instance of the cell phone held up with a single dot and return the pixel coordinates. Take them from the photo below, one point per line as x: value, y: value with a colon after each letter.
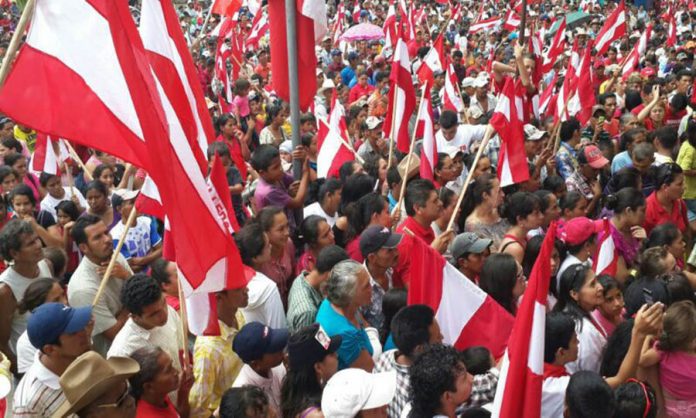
x: 648, y: 296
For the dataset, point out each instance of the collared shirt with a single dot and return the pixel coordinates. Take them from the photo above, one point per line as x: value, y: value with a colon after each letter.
x: 656, y: 214
x: 83, y: 286
x: 483, y: 387
x: 387, y: 362
x: 566, y: 160
x: 373, y: 312
x: 133, y: 337
x: 215, y: 368
x: 39, y: 393
x: 303, y: 304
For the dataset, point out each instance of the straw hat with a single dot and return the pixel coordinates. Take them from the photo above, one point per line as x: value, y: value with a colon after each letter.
x: 89, y: 377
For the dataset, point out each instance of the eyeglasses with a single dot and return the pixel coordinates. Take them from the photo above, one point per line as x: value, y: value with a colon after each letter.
x: 648, y: 403
x: 119, y: 402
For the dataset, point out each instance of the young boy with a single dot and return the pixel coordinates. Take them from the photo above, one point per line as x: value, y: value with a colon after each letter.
x: 561, y: 347
x: 262, y: 350
x: 234, y: 179
x: 275, y: 188
x: 143, y: 244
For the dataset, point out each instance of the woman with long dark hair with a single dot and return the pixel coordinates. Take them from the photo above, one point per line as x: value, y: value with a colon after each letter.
x: 503, y: 279
x: 312, y: 363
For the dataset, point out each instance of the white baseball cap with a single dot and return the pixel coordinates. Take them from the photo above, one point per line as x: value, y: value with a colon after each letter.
x: 353, y: 390
x: 373, y: 122
x: 468, y: 82
x: 480, y: 82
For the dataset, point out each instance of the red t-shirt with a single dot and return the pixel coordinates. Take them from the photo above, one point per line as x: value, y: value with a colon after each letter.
x: 147, y: 410
x: 358, y: 91
x: 656, y: 215
x: 402, y: 270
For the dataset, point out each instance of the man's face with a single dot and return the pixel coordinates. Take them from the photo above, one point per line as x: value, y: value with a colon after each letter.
x: 684, y: 83
x: 363, y: 292
x: 71, y: 346
x: 274, y: 171
x: 29, y: 250
x: 384, y: 258
x: 153, y: 315
x: 449, y: 133
x: 610, y: 106
x: 432, y: 209
x: 99, y: 244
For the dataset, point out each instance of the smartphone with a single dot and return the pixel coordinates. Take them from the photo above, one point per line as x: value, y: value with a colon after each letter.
x: 648, y: 296
x: 254, y: 82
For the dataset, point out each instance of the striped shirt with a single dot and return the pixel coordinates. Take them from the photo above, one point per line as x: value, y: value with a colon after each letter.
x: 39, y: 393
x: 303, y: 303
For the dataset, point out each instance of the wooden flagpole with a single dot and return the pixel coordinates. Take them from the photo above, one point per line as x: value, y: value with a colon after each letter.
x: 114, y: 256
x: 16, y: 39
x: 184, y: 324
x: 78, y: 160
x: 484, y: 143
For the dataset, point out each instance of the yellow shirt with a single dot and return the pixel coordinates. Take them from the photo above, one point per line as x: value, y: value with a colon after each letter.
x: 215, y: 368
x: 28, y: 139
x: 686, y: 161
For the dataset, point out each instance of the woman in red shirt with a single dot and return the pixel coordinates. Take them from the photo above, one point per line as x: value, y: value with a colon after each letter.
x: 665, y: 204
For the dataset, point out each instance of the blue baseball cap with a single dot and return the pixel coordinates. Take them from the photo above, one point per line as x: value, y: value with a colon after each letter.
x: 50, y: 320
x: 256, y: 339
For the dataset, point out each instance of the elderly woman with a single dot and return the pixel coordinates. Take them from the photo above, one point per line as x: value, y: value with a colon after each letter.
x: 348, y: 288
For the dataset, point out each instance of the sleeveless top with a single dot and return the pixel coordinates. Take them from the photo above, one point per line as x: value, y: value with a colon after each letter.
x: 18, y: 285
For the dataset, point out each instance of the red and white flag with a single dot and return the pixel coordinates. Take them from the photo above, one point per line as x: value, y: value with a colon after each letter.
x: 311, y: 24
x: 484, y: 25
x: 49, y: 155
x: 558, y: 46
x: 507, y: 121
x: 581, y: 103
x: 356, y: 12
x: 671, y: 31
x: 467, y: 315
x: 614, y: 28
x: 638, y: 51
x: 390, y: 25
x: 546, y: 96
x: 226, y: 7
x: 433, y: 61
x: 96, y: 85
x: 259, y: 27
x: 428, y: 157
x: 402, y: 98
x: 511, y: 21
x: 522, y: 371
x: 332, y: 151
x: 452, y: 99
x: 606, y: 260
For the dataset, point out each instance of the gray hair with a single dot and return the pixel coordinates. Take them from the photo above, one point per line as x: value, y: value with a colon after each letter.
x: 147, y: 359
x: 643, y: 151
x: 11, y: 237
x: 342, y: 283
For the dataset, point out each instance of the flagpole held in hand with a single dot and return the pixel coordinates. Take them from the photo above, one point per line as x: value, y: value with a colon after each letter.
x: 78, y: 160
x: 16, y: 39
x: 484, y: 142
x: 114, y: 256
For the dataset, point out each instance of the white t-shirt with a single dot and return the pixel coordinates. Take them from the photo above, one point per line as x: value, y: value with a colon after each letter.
x: 25, y: 353
x: 271, y: 385
x: 316, y: 209
x: 49, y: 202
x: 265, y: 305
x: 465, y: 136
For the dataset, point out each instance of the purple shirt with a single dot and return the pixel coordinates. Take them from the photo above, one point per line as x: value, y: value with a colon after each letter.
x: 276, y: 194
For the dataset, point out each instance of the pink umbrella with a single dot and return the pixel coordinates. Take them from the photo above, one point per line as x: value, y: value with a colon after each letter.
x: 362, y: 32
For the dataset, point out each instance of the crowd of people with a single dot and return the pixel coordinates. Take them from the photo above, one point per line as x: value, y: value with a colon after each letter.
x: 322, y: 326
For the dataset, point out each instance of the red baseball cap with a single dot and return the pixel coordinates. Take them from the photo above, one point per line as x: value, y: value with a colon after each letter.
x: 578, y: 230
x: 593, y: 156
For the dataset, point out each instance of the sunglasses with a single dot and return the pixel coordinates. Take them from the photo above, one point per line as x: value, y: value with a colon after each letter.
x: 119, y: 402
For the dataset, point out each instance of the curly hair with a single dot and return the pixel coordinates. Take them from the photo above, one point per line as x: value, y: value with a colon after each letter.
x: 140, y: 291
x: 433, y: 373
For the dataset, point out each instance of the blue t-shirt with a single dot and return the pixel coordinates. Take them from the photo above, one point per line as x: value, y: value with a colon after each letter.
x: 354, y: 340
x: 347, y: 74
x: 621, y: 160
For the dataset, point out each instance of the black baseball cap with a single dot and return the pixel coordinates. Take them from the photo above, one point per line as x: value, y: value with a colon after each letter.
x: 311, y: 345
x: 377, y: 237
x: 256, y: 339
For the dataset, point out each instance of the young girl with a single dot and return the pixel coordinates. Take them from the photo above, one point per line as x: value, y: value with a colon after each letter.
x: 317, y: 235
x: 8, y: 180
x: 523, y: 211
x: 676, y: 354
x: 610, y: 312
x: 18, y: 162
x: 66, y: 214
x: 573, y: 205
